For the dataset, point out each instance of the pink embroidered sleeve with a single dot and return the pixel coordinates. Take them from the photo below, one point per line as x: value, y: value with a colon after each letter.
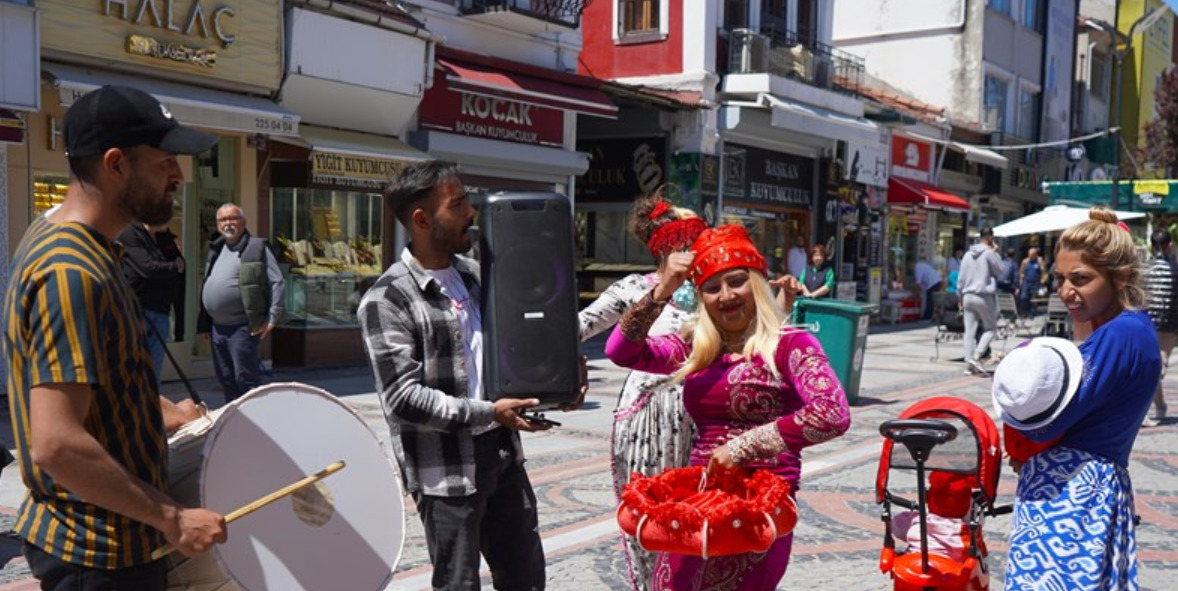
x: 825, y: 414
x: 628, y: 345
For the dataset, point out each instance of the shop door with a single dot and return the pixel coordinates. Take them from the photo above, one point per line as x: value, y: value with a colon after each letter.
x: 214, y: 183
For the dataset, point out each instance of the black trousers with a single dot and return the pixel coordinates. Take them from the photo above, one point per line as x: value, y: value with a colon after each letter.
x: 498, y: 521
x: 56, y: 574
x: 928, y: 300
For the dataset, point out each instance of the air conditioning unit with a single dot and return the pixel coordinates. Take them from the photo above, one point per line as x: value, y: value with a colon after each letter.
x: 749, y: 52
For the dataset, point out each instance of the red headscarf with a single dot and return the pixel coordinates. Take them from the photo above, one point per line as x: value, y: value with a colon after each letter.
x: 724, y: 248
x: 949, y: 494
x: 674, y: 235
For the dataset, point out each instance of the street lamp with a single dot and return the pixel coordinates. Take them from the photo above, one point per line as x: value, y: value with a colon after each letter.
x: 1144, y: 23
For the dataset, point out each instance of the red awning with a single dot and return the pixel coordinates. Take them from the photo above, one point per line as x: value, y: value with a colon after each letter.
x: 910, y: 191
x: 482, y: 78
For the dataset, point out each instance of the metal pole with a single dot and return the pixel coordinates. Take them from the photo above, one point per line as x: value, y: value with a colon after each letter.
x: 1116, y: 135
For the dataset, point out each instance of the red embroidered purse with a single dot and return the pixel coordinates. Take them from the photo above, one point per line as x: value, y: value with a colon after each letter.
x: 685, y: 511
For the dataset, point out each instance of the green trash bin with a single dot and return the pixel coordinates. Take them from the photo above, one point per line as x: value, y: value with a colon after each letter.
x: 841, y: 329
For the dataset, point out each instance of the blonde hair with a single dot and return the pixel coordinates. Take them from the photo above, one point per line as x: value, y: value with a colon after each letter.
x: 1110, y: 250
x: 765, y: 328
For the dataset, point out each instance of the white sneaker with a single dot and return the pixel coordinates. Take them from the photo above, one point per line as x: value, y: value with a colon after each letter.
x: 977, y: 367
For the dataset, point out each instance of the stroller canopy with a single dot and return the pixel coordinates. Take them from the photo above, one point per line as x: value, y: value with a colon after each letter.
x: 977, y: 450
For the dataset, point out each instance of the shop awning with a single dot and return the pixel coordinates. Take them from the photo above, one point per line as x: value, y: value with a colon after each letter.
x: 485, y: 157
x: 356, y: 159
x: 903, y: 191
x: 487, y: 79
x: 821, y: 122
x: 1155, y: 196
x: 192, y: 105
x: 1053, y: 218
x: 981, y: 155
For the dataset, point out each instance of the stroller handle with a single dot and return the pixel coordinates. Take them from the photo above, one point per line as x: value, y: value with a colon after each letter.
x: 920, y: 436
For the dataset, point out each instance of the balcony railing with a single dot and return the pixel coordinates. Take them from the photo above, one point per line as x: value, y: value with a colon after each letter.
x: 566, y: 13
x: 789, y: 55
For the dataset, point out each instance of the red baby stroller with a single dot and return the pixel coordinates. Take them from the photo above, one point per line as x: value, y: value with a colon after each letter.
x: 954, y: 437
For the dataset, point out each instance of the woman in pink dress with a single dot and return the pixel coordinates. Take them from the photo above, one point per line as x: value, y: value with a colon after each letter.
x: 758, y: 393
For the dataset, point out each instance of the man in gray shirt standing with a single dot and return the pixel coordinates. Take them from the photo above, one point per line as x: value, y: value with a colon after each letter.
x: 977, y: 283
x: 241, y: 301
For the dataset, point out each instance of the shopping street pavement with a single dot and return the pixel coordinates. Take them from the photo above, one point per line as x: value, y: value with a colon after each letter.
x: 839, y: 533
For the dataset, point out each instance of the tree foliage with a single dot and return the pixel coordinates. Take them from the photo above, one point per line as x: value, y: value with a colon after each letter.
x: 1161, y: 132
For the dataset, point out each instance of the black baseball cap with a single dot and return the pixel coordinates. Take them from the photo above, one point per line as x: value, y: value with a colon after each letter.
x: 986, y: 232
x: 124, y: 117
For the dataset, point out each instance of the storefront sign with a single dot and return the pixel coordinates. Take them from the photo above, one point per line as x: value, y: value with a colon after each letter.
x: 231, y: 40
x: 911, y: 159
x: 623, y: 169
x: 757, y: 176
x: 490, y: 116
x: 867, y: 164
x: 360, y: 172
x: 1151, y: 193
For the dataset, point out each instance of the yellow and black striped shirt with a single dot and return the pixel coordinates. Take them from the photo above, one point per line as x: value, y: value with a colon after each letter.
x: 70, y: 318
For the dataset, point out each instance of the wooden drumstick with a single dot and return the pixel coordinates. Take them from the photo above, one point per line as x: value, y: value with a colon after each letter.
x: 248, y: 508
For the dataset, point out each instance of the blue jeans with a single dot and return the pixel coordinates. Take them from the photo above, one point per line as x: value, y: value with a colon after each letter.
x: 236, y: 358
x: 157, y: 328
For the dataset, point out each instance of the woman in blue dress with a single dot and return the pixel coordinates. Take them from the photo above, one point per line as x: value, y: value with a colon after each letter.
x: 1073, y: 521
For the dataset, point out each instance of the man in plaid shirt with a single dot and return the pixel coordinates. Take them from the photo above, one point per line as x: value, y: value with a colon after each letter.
x: 460, y: 453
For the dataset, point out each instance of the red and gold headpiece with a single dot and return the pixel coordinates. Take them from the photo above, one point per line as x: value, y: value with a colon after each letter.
x: 724, y: 248
x: 674, y: 235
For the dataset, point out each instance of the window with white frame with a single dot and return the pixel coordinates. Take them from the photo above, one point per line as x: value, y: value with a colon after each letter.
x: 1028, y: 113
x: 1002, y: 6
x: 994, y: 104
x: 638, y: 17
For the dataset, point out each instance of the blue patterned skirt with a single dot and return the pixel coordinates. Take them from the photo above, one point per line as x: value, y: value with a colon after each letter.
x: 1073, y: 525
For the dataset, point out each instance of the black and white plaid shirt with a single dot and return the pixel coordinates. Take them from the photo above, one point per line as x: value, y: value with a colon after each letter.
x: 414, y: 341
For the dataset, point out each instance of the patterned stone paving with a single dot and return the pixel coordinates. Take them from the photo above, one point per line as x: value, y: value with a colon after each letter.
x: 839, y: 534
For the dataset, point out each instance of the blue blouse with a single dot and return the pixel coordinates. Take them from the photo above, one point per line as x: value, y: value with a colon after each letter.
x: 1122, y: 366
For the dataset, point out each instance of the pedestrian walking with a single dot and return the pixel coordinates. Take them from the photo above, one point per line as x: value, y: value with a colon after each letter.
x: 1007, y: 281
x: 1099, y: 401
x: 651, y: 430
x: 460, y: 453
x: 89, y: 423
x: 797, y: 256
x: 241, y: 302
x: 1161, y: 288
x: 167, y: 243
x: 153, y: 279
x: 977, y: 284
x: 758, y: 393
x: 930, y: 283
x: 1030, y: 278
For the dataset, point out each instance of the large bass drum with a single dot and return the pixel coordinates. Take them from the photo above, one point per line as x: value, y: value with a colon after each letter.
x: 344, y: 532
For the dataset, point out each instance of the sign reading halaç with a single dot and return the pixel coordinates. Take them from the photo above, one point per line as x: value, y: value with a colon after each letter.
x: 229, y: 40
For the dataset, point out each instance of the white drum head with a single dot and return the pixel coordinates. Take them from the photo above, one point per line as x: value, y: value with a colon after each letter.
x: 344, y: 533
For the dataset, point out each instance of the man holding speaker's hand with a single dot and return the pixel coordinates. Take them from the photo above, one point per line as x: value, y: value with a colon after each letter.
x: 459, y: 452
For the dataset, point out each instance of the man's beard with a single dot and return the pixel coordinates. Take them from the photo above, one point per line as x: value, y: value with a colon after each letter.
x: 143, y: 206
x: 453, y: 244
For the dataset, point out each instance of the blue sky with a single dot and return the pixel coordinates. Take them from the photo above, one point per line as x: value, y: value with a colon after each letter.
x: 1173, y: 4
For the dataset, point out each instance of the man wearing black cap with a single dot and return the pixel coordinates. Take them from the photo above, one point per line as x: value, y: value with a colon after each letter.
x: 977, y: 282
x: 88, y: 420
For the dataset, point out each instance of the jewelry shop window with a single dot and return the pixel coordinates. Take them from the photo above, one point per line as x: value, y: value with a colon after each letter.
x: 328, y: 244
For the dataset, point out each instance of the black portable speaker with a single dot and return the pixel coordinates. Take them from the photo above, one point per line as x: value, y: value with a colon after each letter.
x: 530, y: 330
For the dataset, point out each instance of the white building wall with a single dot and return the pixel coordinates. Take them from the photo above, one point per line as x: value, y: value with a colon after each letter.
x: 917, y: 46
x: 547, y: 46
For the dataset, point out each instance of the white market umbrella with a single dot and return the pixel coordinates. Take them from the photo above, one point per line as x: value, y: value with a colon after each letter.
x: 1053, y: 218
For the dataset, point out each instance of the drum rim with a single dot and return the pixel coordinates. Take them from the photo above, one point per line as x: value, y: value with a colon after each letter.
x: 259, y: 391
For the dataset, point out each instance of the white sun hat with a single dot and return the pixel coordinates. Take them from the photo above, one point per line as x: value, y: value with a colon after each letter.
x: 1035, y: 383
